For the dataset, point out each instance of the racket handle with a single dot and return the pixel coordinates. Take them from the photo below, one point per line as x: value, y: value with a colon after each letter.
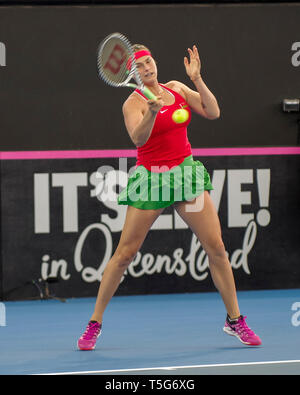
x: 149, y: 94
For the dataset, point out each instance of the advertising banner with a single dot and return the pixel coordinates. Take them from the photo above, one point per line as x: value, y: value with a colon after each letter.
x: 61, y: 220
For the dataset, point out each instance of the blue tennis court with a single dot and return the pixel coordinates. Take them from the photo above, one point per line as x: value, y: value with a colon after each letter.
x: 173, y: 334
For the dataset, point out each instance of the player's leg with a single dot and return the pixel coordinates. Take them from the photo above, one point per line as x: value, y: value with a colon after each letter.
x: 136, y: 226
x: 206, y: 226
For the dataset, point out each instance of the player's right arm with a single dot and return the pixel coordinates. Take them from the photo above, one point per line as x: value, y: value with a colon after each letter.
x: 139, y: 118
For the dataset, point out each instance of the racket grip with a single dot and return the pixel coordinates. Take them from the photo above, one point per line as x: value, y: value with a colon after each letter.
x: 149, y: 94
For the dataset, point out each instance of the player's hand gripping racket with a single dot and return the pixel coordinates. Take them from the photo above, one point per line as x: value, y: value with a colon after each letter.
x: 116, y: 64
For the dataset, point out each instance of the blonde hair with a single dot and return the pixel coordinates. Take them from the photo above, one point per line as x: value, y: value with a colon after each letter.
x: 140, y: 47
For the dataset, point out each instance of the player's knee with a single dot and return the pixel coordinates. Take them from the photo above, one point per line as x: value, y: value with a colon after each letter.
x: 125, y: 256
x: 216, y: 249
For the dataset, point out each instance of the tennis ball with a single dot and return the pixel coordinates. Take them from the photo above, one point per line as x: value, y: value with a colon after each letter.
x: 180, y: 116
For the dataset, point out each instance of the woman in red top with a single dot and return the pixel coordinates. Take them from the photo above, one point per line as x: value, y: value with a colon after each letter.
x: 162, y: 142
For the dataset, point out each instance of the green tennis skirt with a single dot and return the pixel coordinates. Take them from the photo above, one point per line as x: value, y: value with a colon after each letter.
x: 150, y: 190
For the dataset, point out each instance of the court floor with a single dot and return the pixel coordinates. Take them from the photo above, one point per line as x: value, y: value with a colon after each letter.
x: 173, y: 334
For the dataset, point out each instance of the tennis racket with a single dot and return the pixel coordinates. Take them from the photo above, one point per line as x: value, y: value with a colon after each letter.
x: 116, y: 64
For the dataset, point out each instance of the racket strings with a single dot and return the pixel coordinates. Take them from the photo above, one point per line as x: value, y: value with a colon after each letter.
x: 116, y: 63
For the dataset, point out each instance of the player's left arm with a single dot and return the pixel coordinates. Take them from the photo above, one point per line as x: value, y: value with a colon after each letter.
x: 202, y: 100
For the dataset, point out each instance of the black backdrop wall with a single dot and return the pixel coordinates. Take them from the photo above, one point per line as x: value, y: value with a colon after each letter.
x: 51, y: 97
x: 51, y: 102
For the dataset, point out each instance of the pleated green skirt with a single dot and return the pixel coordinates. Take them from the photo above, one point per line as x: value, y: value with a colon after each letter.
x: 149, y: 190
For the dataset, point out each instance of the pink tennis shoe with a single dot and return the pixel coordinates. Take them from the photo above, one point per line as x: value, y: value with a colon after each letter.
x: 237, y: 328
x: 240, y: 329
x: 88, y: 339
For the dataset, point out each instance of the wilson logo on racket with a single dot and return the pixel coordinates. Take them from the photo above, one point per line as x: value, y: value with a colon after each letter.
x: 116, y: 59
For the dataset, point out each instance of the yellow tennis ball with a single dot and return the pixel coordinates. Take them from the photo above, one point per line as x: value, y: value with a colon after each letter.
x: 180, y: 116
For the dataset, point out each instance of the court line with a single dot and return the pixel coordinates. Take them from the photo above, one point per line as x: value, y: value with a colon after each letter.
x: 173, y: 367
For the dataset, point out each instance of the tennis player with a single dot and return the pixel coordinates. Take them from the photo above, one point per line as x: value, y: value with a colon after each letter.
x: 162, y: 148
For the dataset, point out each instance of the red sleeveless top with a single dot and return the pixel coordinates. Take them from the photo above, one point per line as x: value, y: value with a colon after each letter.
x: 168, y: 144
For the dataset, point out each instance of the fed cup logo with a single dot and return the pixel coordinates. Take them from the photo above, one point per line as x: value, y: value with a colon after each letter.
x: 2, y: 55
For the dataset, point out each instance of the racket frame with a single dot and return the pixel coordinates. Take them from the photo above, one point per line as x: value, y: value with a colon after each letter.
x: 132, y: 74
